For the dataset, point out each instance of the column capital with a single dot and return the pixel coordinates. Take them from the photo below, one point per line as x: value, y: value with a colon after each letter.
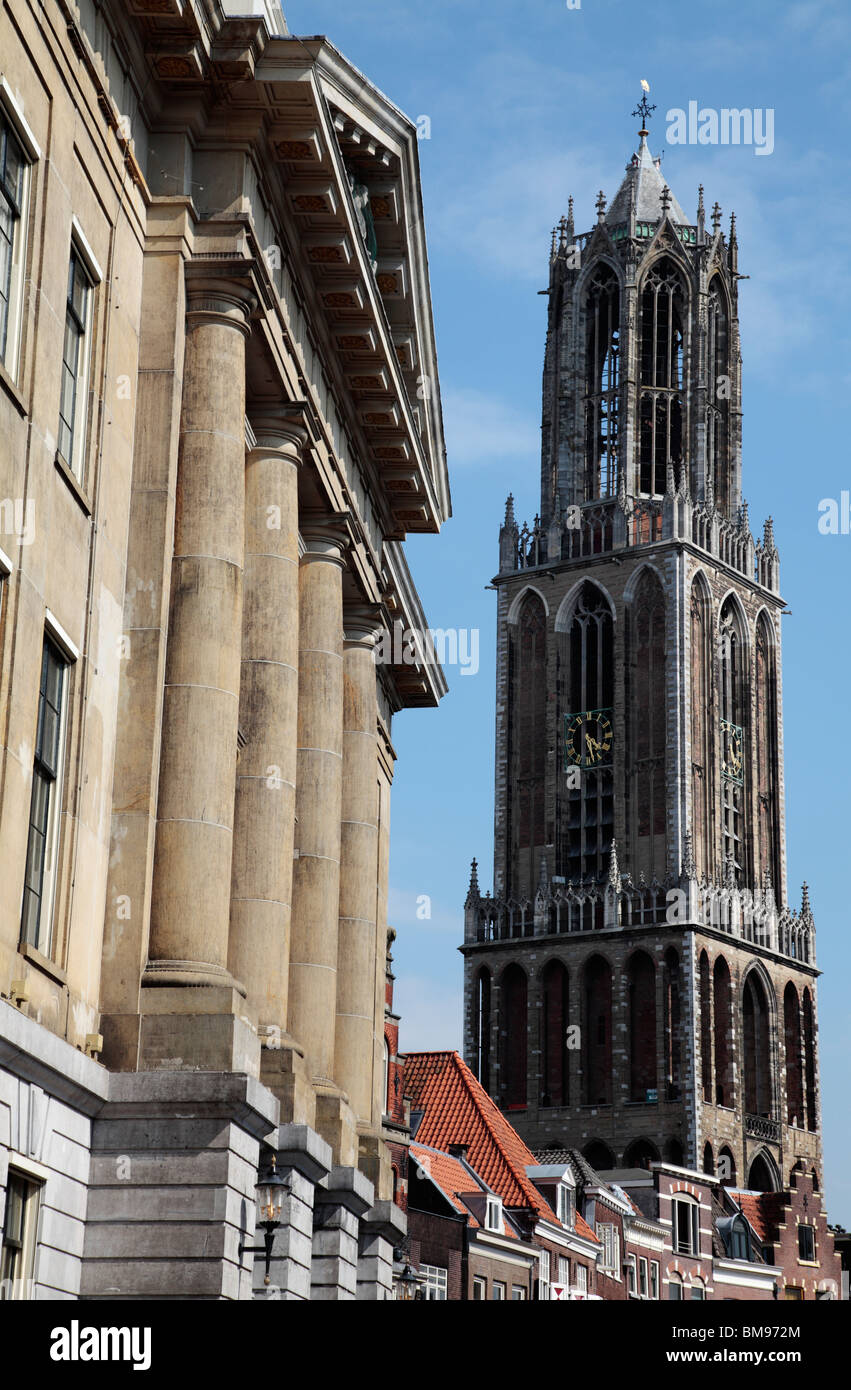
x: 362, y: 623
x: 223, y: 298
x: 326, y: 536
x: 280, y: 429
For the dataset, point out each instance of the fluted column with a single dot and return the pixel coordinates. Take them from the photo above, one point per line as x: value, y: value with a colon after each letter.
x: 356, y: 951
x: 192, y: 866
x: 261, y: 883
x: 319, y: 778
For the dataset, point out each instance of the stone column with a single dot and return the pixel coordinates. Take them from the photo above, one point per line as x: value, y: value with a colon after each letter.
x: 192, y: 866
x: 303, y: 1160
x: 264, y: 811
x: 357, y: 947
x: 340, y: 1201
x: 382, y: 1228
x: 319, y: 777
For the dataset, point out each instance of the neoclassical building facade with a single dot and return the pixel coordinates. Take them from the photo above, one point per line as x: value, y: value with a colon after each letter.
x: 640, y: 984
x: 219, y: 419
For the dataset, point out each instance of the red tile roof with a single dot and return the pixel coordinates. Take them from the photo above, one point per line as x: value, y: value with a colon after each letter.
x: 450, y: 1175
x: 763, y: 1210
x: 458, y: 1110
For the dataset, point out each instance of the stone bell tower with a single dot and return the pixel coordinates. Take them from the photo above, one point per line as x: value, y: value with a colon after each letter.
x: 638, y: 985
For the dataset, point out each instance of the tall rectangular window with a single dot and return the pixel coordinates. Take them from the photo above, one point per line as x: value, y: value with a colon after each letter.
x: 581, y: 1285
x: 436, y: 1283
x: 544, y: 1275
x: 75, y: 364
x: 686, y: 1227
x: 14, y: 182
x: 45, y: 803
x: 20, y: 1221
x: 807, y: 1243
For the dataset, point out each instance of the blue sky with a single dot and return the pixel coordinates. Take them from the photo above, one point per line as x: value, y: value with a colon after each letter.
x: 527, y: 104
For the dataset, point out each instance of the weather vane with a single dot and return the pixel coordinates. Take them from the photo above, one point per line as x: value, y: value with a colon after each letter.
x: 644, y: 107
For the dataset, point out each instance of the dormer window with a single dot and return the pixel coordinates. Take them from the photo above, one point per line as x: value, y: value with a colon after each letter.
x: 565, y: 1204
x: 739, y: 1243
x: 493, y: 1213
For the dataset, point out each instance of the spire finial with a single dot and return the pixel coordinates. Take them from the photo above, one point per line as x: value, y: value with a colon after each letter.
x: 700, y: 209
x: 768, y: 535
x: 732, y: 228
x: 806, y: 910
x: 716, y: 217
x: 665, y: 200
x: 553, y: 246
x: 601, y: 205
x: 474, y: 876
x: 644, y: 108
x: 509, y: 520
x: 570, y: 216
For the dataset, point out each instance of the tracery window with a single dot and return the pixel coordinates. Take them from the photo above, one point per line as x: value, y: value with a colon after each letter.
x: 514, y: 1025
x: 701, y: 757
x: 554, y: 1000
x: 718, y: 395
x: 765, y: 726
x: 586, y: 686
x: 661, y: 432
x: 641, y: 988
x: 597, y: 1032
x: 482, y: 1026
x: 792, y: 1049
x: 602, y: 359
x: 649, y: 742
x: 722, y: 999
x: 732, y: 736
x: 671, y: 1022
x: 756, y: 1047
x: 529, y: 738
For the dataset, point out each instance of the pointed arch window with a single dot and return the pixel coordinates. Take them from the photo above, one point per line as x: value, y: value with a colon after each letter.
x: 647, y: 723
x: 482, y: 1026
x: 641, y: 984
x: 597, y: 1032
x: 718, y: 395
x: 671, y: 1022
x: 701, y: 757
x: 705, y: 1029
x: 602, y: 384
x: 793, y: 1050
x: 732, y: 737
x: 722, y: 1000
x: 810, y: 1059
x: 661, y: 429
x: 554, y: 1000
x: 586, y: 687
x: 756, y: 1047
x: 765, y: 726
x: 529, y: 739
x: 514, y: 1024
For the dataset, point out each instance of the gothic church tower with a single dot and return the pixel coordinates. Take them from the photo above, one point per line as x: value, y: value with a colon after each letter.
x: 639, y: 985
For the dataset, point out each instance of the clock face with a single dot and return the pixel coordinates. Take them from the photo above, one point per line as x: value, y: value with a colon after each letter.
x: 588, y: 737
x: 732, y: 752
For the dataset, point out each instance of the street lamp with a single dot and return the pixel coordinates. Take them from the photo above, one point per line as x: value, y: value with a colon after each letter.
x: 410, y: 1285
x: 269, y: 1197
